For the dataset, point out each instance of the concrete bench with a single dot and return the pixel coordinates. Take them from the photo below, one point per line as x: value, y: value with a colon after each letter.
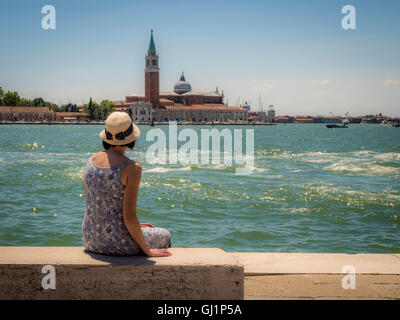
x: 320, y: 275
x: 200, y: 273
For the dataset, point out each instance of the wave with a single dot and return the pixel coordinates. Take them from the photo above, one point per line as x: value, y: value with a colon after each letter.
x: 388, y: 156
x: 164, y: 170
x: 299, y: 210
x: 220, y: 167
x: 33, y: 145
x: 350, y: 196
x: 365, y: 168
x: 325, y: 155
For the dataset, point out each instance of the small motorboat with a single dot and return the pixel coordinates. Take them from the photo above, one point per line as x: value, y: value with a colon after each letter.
x: 344, y: 124
x: 340, y: 125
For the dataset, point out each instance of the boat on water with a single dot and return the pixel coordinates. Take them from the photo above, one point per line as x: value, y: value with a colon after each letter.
x: 344, y: 124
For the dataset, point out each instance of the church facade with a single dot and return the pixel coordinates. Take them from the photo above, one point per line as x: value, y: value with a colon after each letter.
x: 180, y: 104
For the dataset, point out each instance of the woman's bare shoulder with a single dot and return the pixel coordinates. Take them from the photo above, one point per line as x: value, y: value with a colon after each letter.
x: 94, y: 156
x: 132, y: 170
x: 98, y: 155
x: 134, y: 166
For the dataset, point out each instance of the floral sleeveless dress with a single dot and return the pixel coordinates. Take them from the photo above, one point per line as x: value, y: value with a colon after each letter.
x: 103, y: 228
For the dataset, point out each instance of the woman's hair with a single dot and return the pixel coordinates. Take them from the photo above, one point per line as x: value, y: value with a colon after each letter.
x: 108, y: 146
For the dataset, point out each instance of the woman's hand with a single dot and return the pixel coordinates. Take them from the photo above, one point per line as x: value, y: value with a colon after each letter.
x: 146, y: 225
x: 158, y: 253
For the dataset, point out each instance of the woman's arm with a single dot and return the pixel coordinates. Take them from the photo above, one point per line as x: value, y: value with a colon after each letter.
x: 146, y: 225
x: 134, y: 174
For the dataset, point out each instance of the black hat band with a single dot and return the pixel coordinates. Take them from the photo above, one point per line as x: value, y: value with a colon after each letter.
x: 121, y: 135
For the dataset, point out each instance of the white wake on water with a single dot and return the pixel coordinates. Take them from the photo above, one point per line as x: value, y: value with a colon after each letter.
x: 364, y: 168
x: 164, y: 170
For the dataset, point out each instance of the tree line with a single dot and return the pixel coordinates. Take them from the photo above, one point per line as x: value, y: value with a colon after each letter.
x: 94, y: 109
x: 12, y: 99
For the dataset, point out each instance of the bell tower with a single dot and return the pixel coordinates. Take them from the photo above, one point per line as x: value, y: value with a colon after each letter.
x: 152, y: 84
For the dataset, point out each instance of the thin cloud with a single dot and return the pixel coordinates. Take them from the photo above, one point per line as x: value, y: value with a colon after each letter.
x: 391, y: 82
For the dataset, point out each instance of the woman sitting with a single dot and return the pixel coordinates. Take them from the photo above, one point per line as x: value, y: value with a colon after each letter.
x: 111, y: 187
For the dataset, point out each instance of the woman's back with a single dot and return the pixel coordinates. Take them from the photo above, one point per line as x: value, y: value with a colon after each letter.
x: 103, y: 228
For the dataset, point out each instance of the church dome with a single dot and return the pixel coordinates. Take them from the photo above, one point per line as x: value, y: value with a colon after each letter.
x: 182, y: 86
x: 246, y: 106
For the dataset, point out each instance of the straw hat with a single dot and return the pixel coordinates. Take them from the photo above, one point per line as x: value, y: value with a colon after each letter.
x: 120, y: 129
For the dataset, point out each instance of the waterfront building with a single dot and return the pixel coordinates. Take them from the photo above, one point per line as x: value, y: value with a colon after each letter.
x: 188, y: 98
x: 200, y: 113
x: 122, y: 105
x: 41, y: 114
x: 368, y: 120
x: 374, y: 119
x: 252, y: 117
x: 303, y: 119
x: 262, y: 116
x: 257, y: 116
x: 355, y: 119
x: 284, y: 119
x: 71, y: 116
x: 318, y: 119
x: 179, y: 104
x: 140, y: 112
x: 26, y: 114
x: 326, y: 119
x: 332, y: 119
x: 271, y: 114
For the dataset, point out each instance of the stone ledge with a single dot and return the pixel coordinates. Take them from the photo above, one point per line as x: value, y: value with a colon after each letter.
x: 321, y: 287
x: 312, y: 276
x: 260, y: 263
x: 200, y: 273
x: 196, y: 273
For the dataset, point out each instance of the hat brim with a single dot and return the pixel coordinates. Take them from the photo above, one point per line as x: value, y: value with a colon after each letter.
x: 115, y: 142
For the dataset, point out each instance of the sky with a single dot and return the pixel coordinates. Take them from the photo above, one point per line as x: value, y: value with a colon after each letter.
x: 293, y: 54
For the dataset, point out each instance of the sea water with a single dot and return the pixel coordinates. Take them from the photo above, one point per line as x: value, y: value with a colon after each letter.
x: 312, y: 189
